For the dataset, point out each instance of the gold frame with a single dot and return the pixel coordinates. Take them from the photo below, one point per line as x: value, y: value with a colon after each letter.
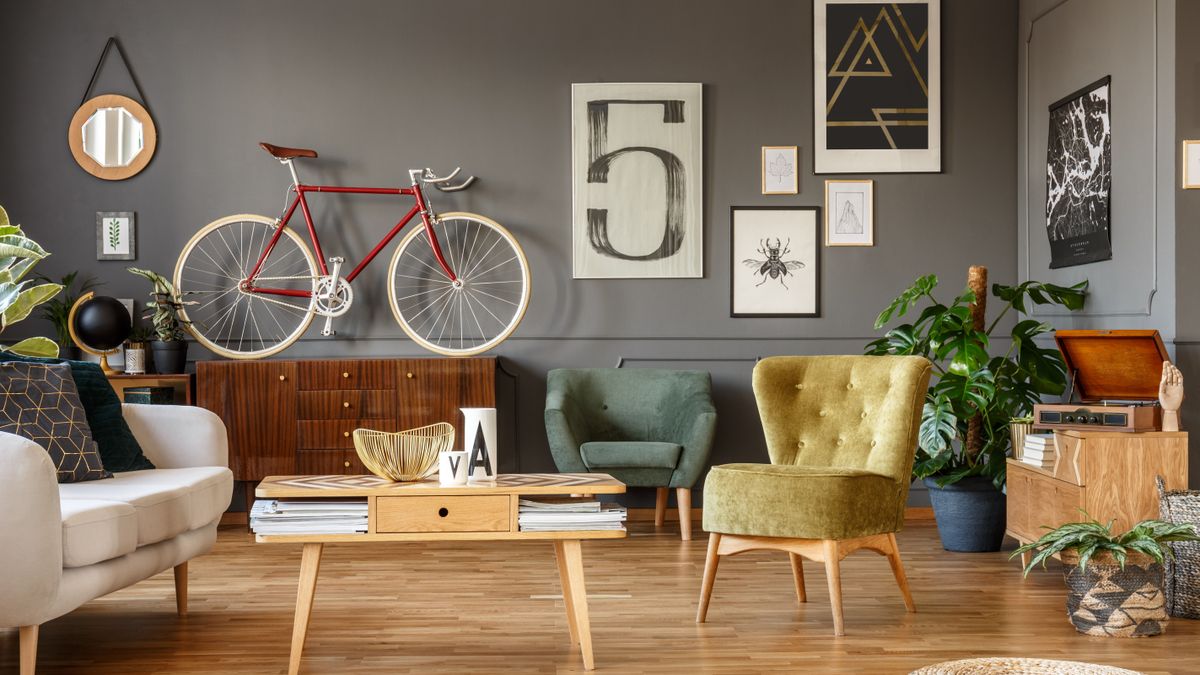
x: 762, y: 168
x: 1194, y: 184
x: 870, y: 208
x: 75, y: 137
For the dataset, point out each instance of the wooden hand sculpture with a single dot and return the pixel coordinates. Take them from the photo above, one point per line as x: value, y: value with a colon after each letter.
x: 1170, y: 396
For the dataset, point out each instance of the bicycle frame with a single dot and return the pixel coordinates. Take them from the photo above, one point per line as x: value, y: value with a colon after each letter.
x: 419, y: 207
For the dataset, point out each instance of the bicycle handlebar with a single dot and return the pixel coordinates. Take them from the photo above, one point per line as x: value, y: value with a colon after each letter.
x: 440, y: 182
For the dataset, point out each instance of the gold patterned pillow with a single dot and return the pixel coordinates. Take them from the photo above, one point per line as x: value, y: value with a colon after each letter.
x: 39, y: 401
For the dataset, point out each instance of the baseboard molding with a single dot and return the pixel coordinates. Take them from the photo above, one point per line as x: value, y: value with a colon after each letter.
x: 644, y: 514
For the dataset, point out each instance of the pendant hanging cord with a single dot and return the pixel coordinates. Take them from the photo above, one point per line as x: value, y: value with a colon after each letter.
x: 129, y: 69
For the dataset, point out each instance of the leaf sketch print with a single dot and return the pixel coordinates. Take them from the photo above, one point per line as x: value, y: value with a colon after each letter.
x: 780, y: 168
x: 114, y: 233
x: 774, y: 266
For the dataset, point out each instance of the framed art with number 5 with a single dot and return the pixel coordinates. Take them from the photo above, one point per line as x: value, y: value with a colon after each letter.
x: 877, y: 86
x: 774, y: 261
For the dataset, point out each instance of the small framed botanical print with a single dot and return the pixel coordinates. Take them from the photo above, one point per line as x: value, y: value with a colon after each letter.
x: 849, y: 213
x: 780, y: 170
x: 774, y: 261
x: 116, y: 235
x: 1191, y: 165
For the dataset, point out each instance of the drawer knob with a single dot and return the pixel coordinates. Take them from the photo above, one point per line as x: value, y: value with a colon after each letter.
x: 345, y: 374
x: 282, y: 378
x: 346, y: 434
x: 443, y: 512
x: 409, y: 376
x: 347, y: 464
x: 345, y: 404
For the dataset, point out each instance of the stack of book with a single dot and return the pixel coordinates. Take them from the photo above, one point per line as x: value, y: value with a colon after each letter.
x: 316, y: 516
x: 557, y: 516
x: 1039, y: 450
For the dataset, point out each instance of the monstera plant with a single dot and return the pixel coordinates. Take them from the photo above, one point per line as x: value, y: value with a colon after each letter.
x: 980, y: 384
x: 20, y: 296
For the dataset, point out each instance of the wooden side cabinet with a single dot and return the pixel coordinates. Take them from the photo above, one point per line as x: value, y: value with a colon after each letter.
x: 298, y: 417
x: 1109, y: 474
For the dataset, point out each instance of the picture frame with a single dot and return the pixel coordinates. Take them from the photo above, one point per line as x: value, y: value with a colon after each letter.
x: 116, y: 235
x: 1191, y: 165
x: 780, y: 170
x: 849, y: 212
x: 775, y: 262
x: 877, y: 87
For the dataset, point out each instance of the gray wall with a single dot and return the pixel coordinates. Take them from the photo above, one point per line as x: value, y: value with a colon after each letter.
x: 1187, y: 210
x: 378, y: 87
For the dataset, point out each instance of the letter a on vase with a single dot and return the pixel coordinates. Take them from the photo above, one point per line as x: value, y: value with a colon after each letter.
x: 636, y: 180
x: 480, y: 460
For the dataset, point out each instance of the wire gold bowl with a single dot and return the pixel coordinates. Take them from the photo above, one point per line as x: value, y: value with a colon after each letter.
x: 403, y: 456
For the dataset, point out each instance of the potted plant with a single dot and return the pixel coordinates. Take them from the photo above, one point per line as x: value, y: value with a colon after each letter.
x: 1114, y: 582
x: 20, y: 296
x: 57, y: 310
x: 964, y: 433
x: 135, y: 349
x: 170, y: 349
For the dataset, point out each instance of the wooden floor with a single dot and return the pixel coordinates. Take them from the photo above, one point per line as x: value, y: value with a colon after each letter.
x: 486, y: 608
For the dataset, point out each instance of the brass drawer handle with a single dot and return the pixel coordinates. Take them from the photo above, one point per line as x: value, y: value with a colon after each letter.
x: 282, y: 378
x: 409, y: 376
x: 345, y: 374
x: 346, y: 434
x: 347, y: 464
x: 345, y: 404
x: 443, y: 512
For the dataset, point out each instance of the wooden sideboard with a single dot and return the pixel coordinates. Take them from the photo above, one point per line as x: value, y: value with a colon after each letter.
x: 297, y: 417
x: 1109, y: 474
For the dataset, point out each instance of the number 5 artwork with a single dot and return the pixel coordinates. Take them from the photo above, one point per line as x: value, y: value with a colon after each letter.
x: 636, y: 160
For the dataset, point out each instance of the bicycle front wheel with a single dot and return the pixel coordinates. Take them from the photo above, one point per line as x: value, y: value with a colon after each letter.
x: 221, y: 314
x: 477, y: 311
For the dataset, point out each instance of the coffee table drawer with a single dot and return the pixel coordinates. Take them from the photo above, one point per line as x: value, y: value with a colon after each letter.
x: 470, y: 513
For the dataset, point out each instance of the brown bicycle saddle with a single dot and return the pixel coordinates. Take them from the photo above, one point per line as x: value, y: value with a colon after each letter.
x: 280, y: 152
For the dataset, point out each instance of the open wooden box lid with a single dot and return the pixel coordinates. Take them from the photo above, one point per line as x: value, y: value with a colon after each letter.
x: 1121, y: 365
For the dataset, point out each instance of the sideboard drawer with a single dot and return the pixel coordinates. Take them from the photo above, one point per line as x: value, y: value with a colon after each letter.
x: 472, y: 513
x: 369, y: 374
x: 347, y: 404
x: 321, y: 434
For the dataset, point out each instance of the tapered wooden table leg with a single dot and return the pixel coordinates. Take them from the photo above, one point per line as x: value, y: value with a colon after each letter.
x: 564, y: 579
x: 798, y: 576
x: 573, y: 553
x: 310, y: 565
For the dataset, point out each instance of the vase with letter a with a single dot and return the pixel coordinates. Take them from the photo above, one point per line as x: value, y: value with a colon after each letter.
x: 479, y: 442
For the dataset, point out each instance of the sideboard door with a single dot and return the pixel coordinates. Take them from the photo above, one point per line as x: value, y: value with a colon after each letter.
x: 257, y: 401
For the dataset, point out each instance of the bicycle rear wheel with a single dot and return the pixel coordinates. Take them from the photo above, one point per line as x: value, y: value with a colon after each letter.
x: 477, y: 312
x: 224, y: 317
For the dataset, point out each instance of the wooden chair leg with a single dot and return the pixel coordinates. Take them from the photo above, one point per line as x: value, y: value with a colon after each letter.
x: 684, y: 497
x: 798, y: 576
x: 833, y: 574
x: 898, y: 572
x: 710, y: 575
x: 181, y: 589
x: 660, y: 506
x: 28, y: 639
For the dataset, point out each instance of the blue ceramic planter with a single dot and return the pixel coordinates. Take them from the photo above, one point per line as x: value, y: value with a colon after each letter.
x: 970, y: 514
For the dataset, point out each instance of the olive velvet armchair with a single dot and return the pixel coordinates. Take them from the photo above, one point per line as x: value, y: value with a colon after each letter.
x: 646, y: 427
x: 841, y: 432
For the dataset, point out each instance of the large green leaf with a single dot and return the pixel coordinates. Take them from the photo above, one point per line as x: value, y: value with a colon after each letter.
x: 939, y: 426
x: 1040, y: 293
x: 923, y: 286
x: 35, y: 346
x: 26, y: 301
x: 3, y: 217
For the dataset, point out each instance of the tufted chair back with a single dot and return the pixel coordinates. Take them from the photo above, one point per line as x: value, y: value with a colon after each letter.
x: 855, y: 412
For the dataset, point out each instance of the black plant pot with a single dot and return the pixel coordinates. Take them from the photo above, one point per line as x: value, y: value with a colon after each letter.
x: 170, y: 358
x: 970, y: 514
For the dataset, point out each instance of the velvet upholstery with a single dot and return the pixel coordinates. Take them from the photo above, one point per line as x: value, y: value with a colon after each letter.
x: 629, y: 406
x: 630, y: 454
x: 841, y: 434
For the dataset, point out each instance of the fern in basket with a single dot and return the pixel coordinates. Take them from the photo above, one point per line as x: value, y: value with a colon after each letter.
x: 1086, y: 539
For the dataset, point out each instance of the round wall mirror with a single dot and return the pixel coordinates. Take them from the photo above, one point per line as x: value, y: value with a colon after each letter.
x: 112, y: 137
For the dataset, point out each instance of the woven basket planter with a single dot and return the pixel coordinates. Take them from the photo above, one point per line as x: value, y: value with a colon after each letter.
x: 1108, y: 601
x: 1182, y: 582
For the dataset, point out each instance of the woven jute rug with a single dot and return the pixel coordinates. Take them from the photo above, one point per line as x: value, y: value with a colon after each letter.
x: 1012, y: 666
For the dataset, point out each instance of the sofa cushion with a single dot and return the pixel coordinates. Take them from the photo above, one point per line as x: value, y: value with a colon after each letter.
x: 630, y: 454
x: 39, y: 401
x: 95, y: 530
x: 168, y: 501
x: 119, y: 450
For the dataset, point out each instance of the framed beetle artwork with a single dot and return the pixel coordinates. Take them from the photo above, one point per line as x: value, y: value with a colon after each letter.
x: 774, y: 261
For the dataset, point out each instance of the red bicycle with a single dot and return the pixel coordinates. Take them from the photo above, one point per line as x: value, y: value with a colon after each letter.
x: 254, y: 285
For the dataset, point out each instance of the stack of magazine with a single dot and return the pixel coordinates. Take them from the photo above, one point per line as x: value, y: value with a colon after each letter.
x: 1039, y: 450
x: 318, y: 516
x: 556, y: 516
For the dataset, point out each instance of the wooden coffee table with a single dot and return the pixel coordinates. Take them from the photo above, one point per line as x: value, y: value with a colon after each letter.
x: 425, y: 511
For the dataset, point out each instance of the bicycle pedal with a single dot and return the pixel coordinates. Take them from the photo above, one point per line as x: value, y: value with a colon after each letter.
x: 329, y: 333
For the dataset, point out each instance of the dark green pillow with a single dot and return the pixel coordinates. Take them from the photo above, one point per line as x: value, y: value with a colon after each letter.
x: 119, y: 450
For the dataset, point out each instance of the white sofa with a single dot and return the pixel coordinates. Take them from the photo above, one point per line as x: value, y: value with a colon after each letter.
x: 63, y: 545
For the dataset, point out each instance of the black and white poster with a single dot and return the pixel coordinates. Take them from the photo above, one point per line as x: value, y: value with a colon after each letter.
x: 1079, y: 177
x: 774, y: 261
x: 636, y: 183
x: 877, y: 86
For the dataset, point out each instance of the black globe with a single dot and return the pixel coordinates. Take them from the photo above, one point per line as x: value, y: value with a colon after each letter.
x: 102, y: 323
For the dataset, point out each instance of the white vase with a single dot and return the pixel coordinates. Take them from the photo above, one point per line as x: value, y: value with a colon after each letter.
x: 135, y: 361
x: 475, y: 422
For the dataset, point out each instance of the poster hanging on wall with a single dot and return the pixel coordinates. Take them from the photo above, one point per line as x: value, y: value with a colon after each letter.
x: 877, y: 84
x: 635, y: 180
x: 1079, y: 177
x: 774, y: 258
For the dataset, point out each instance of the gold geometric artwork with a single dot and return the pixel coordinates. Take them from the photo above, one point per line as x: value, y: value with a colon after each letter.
x: 40, y: 402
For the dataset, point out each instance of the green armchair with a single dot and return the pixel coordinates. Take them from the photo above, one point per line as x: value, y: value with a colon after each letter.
x: 841, y: 433
x: 646, y: 427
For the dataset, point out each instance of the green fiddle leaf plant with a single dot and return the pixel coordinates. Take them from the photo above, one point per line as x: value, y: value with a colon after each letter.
x: 971, y: 382
x: 20, y: 296
x: 1089, y: 538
